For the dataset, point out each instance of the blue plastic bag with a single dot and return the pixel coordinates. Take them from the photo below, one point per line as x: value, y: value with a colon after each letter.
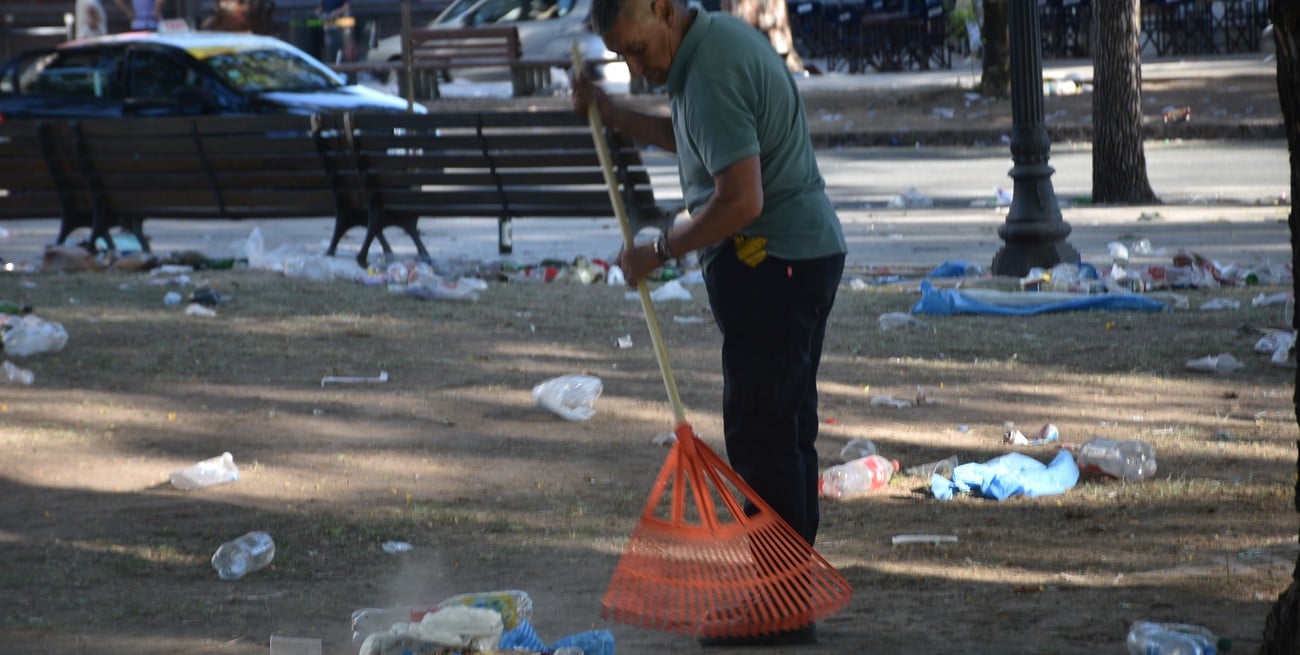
x: 1009, y: 475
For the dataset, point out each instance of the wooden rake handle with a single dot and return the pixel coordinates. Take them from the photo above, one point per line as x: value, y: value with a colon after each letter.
x: 616, y: 198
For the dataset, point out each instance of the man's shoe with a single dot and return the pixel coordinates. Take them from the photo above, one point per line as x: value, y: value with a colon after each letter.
x: 798, y: 637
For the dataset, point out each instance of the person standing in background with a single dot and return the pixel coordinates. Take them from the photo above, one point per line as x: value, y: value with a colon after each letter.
x: 90, y: 19
x: 336, y: 48
x: 144, y: 14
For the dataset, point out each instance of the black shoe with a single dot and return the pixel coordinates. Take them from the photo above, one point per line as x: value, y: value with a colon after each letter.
x: 798, y: 637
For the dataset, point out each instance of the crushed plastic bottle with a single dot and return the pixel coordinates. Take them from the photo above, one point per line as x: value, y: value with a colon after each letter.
x: 1150, y: 638
x: 250, y: 552
x: 209, y: 472
x: 1131, y: 460
x: 857, y: 477
x: 11, y: 373
x: 891, y: 320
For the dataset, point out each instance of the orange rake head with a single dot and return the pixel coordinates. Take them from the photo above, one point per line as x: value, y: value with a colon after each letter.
x: 697, y: 565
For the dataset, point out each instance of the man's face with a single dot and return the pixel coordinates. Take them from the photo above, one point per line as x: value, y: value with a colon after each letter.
x: 643, y: 36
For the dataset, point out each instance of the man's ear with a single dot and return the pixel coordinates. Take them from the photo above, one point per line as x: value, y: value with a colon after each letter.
x: 663, y: 11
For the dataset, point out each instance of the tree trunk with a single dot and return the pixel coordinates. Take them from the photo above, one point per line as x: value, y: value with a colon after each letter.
x: 1282, y: 626
x: 995, y: 80
x: 772, y: 18
x: 1119, y: 164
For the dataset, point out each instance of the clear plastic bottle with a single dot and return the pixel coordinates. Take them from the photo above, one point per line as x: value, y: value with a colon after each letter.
x: 214, y: 470
x: 11, y: 373
x: 250, y: 552
x: 860, y: 476
x: 1147, y: 638
x: 1131, y: 460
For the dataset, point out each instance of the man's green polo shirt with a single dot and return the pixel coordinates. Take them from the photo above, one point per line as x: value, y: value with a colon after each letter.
x: 731, y: 98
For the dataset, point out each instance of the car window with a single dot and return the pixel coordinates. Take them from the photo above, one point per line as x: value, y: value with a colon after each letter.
x: 82, y: 74
x: 269, y: 70
x: 497, y: 11
x: 454, y: 11
x: 159, y: 76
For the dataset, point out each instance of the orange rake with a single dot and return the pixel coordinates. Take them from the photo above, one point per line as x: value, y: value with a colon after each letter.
x: 696, y: 564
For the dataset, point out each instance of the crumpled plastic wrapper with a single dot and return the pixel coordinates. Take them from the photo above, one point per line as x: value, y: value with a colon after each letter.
x: 570, y: 397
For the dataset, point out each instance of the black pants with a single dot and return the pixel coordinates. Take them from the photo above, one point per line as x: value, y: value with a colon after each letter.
x: 773, y: 320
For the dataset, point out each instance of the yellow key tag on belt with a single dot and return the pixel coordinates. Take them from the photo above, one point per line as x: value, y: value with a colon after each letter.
x: 751, y: 250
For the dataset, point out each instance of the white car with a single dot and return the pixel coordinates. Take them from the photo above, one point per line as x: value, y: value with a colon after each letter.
x: 546, y: 28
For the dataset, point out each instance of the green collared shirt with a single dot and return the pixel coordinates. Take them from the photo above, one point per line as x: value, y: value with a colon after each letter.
x: 732, y: 98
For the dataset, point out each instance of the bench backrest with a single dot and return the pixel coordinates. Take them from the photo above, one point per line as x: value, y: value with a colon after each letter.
x: 491, y: 164
x: 31, y: 156
x: 228, y: 167
x: 465, y: 48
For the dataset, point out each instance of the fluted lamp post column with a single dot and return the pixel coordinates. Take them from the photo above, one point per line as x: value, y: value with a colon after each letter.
x: 1034, y: 233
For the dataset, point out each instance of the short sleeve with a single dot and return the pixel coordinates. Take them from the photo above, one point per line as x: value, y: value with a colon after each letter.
x: 722, y: 119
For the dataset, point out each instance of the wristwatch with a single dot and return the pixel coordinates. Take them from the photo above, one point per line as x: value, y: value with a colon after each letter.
x: 661, y: 248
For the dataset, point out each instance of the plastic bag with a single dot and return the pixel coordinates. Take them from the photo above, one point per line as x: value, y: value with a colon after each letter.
x: 34, y: 337
x: 212, y: 471
x: 569, y: 396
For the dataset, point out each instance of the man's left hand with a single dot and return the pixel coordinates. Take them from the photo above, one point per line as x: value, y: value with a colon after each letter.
x: 637, y: 263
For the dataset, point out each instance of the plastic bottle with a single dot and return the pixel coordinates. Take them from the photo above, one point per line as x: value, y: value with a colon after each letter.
x: 11, y: 307
x: 251, y: 552
x: 1148, y: 638
x: 11, y: 373
x: 214, y: 470
x: 857, y: 477
x: 1130, y: 460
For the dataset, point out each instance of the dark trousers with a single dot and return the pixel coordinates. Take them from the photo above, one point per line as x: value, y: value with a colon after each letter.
x: 773, y: 321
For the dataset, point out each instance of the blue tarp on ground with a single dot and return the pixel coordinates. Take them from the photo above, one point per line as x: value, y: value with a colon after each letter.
x: 1008, y: 475
x: 946, y: 302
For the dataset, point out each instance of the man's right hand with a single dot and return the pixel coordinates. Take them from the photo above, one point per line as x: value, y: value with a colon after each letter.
x: 586, y: 92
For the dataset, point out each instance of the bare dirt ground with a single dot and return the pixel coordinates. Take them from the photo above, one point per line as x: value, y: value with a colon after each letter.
x: 452, y: 456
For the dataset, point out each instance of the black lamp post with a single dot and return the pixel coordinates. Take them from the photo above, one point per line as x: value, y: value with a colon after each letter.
x: 1034, y: 232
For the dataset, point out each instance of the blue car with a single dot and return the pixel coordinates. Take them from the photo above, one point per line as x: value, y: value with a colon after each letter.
x: 178, y: 74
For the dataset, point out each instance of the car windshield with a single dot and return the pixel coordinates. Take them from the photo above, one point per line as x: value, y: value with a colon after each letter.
x: 270, y: 70
x: 454, y: 10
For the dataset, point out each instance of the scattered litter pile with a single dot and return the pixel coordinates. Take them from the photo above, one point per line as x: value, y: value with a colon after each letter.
x: 487, y: 622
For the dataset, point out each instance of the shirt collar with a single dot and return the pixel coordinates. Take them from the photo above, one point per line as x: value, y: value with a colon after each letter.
x: 686, y: 52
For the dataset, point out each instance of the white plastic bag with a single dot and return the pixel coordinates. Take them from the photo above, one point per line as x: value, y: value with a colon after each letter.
x: 35, y: 336
x: 569, y: 396
x: 212, y: 471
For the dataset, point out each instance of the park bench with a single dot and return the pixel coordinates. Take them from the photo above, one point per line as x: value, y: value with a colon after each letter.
x: 228, y: 167
x: 34, y: 176
x: 369, y: 170
x: 436, y: 53
x: 492, y: 164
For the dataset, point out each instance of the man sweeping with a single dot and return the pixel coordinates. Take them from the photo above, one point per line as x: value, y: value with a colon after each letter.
x: 770, y: 242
